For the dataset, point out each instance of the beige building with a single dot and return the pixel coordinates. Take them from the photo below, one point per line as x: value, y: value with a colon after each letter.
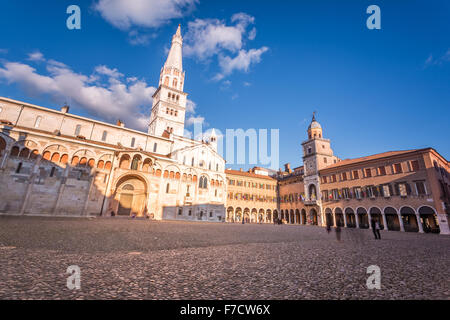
x: 403, y: 190
x: 56, y: 163
x: 251, y: 196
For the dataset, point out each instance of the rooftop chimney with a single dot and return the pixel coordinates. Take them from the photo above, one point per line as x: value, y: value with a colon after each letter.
x: 65, y: 109
x: 120, y: 123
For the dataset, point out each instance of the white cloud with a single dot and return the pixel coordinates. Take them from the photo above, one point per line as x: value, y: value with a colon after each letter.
x: 36, y: 56
x: 109, y: 101
x: 124, y: 14
x: 252, y: 34
x: 439, y: 61
x: 104, y: 70
x: 207, y: 38
x: 195, y: 120
x: 190, y: 106
x: 241, y: 62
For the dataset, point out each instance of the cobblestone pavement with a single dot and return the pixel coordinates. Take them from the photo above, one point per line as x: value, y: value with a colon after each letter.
x: 139, y: 259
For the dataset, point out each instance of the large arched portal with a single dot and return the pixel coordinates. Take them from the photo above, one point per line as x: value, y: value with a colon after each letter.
x: 131, y: 196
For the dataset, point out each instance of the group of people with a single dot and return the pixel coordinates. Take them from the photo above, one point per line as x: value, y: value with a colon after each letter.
x: 374, y: 224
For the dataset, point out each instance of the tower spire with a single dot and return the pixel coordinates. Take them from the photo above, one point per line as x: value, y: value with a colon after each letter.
x: 175, y: 57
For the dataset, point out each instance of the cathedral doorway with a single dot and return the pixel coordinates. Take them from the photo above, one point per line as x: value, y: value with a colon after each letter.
x: 130, y: 196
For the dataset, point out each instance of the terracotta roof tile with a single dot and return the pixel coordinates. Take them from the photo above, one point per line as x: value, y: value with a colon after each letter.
x: 371, y: 157
x: 248, y: 174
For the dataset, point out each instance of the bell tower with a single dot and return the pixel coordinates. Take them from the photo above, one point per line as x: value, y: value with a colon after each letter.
x: 169, y: 101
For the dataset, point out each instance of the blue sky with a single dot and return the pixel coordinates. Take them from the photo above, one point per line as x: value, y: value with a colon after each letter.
x: 269, y: 67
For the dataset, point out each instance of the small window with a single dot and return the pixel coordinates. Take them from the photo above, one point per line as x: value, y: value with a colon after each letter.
x: 398, y: 168
x: 168, y: 188
x: 180, y: 211
x: 104, y: 135
x: 355, y: 174
x: 210, y: 214
x: 382, y: 170
x: 192, y: 162
x: 415, y: 165
x: 155, y: 147
x: 190, y: 212
x: 325, y: 160
x: 52, y: 172
x: 309, y: 150
x: 37, y: 122
x: 77, y: 130
x: 19, y: 167
x: 133, y: 141
x: 368, y: 173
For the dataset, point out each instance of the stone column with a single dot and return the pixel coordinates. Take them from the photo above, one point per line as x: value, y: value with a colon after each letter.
x: 402, y: 227
x: 357, y: 220
x: 108, y: 188
x: 91, y: 184
x: 345, y: 220
x: 385, y: 222
x: 370, y: 220
x: 5, y: 156
x: 62, y: 186
x: 419, y: 223
x: 30, y: 185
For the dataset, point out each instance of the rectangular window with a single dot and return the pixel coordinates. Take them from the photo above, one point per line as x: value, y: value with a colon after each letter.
x: 369, y: 191
x: 325, y: 195
x: 38, y: 122
x: 345, y: 193
x: 77, y: 130
x: 324, y: 179
x: 386, y: 191
x: 382, y: 170
x: 155, y: 148
x: 355, y: 174
x: 398, y: 168
x: 133, y: 141
x: 344, y: 176
x: 333, y: 177
x: 420, y: 186
x: 368, y: 173
x: 357, y: 191
x: 402, y: 189
x: 415, y: 165
x: 105, y: 134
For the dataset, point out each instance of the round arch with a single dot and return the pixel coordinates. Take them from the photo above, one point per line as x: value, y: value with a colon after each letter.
x: 392, y: 220
x: 429, y: 219
x: 408, y: 216
x: 130, y: 195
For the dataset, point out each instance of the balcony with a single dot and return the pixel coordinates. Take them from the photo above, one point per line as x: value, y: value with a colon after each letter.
x: 310, y: 202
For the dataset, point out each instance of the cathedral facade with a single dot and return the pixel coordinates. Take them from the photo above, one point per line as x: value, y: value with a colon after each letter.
x: 55, y: 163
x: 59, y: 164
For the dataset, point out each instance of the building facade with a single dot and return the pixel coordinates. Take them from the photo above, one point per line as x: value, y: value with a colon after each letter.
x: 56, y: 163
x: 403, y: 190
x: 251, y: 196
x: 59, y: 164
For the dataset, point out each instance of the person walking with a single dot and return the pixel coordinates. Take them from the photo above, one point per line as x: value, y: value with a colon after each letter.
x: 375, y: 229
